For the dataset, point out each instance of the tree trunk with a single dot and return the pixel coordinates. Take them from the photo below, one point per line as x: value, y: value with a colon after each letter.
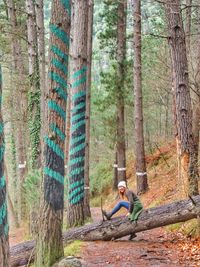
x: 115, y: 172
x: 141, y: 172
x: 19, y: 101
x: 34, y: 92
x: 4, y: 241
x: 188, y: 25
x: 49, y: 241
x: 78, y: 65
x: 121, y: 57
x: 182, y: 95
x: 39, y: 5
x: 87, y: 112
x: 179, y: 211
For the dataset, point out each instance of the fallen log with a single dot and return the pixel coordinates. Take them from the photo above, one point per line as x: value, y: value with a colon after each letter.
x: 175, y: 212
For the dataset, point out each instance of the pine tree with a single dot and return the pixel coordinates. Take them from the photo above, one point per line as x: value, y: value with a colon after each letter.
x: 49, y: 242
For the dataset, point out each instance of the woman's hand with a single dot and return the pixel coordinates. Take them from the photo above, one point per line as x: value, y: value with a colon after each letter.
x: 127, y: 214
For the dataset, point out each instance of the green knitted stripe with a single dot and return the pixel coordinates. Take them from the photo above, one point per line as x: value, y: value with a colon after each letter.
x: 59, y: 53
x: 78, y: 116
x: 77, y: 139
x: 3, y: 212
x: 59, y: 33
x: 57, y: 108
x: 55, y: 175
x: 79, y: 94
x: 76, y: 191
x: 2, y: 150
x: 62, y: 93
x: 76, y: 171
x: 76, y: 149
x: 77, y: 125
x: 1, y: 127
x: 77, y: 198
x: 59, y: 65
x: 79, y: 82
x: 76, y: 160
x: 55, y: 129
x: 54, y: 147
x: 75, y: 184
x: 57, y: 78
x: 79, y: 106
x: 67, y: 6
x: 6, y: 229
x: 2, y: 182
x: 79, y: 72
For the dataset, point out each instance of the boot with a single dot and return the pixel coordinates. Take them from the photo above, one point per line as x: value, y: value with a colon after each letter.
x: 107, y: 215
x: 133, y: 235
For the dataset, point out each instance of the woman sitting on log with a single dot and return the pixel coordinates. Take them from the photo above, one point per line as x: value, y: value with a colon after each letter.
x: 128, y: 200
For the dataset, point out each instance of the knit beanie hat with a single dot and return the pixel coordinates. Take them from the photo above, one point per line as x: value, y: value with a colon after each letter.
x: 122, y: 184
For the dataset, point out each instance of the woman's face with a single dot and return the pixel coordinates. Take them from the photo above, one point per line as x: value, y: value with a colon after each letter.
x: 121, y: 189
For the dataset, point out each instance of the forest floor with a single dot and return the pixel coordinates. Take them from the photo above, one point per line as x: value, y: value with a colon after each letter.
x: 161, y: 247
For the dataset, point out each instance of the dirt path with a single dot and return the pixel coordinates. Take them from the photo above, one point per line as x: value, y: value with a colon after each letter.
x: 151, y: 248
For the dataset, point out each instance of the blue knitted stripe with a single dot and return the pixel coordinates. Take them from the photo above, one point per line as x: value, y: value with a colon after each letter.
x: 59, y: 65
x: 79, y: 94
x: 1, y: 127
x: 57, y: 78
x: 59, y: 53
x: 77, y: 139
x: 79, y: 106
x: 54, y: 147
x: 67, y: 6
x: 79, y: 72
x: 2, y: 182
x: 59, y: 33
x: 55, y: 175
x: 55, y: 129
x: 3, y: 212
x: 76, y: 191
x: 78, y: 116
x: 76, y: 160
x: 79, y: 82
x: 62, y: 93
x: 2, y: 150
x: 76, y: 171
x: 77, y: 199
x: 77, y: 148
x: 77, y: 125
x: 57, y: 108
x: 75, y: 184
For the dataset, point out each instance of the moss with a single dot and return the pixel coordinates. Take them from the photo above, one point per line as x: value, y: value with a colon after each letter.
x: 73, y: 249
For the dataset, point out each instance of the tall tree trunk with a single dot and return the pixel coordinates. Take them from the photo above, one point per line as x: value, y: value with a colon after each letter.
x: 49, y: 241
x: 75, y: 214
x: 39, y: 8
x: 87, y: 112
x: 121, y: 57
x: 20, y: 104
x: 188, y: 25
x: 34, y: 93
x: 141, y: 172
x: 115, y: 172
x: 182, y: 96
x: 4, y: 241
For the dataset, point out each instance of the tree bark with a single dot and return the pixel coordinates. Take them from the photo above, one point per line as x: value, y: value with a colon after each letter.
x: 4, y: 240
x: 49, y: 241
x: 78, y: 65
x: 87, y: 112
x: 19, y: 105
x: 141, y: 171
x: 182, y: 95
x: 34, y: 92
x: 121, y: 57
x: 179, y: 211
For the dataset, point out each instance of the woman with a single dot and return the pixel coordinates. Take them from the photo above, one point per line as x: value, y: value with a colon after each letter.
x: 129, y: 201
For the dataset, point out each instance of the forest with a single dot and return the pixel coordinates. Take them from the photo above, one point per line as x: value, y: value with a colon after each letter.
x: 99, y: 115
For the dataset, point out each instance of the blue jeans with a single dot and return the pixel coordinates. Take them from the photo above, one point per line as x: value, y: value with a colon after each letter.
x: 120, y: 204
